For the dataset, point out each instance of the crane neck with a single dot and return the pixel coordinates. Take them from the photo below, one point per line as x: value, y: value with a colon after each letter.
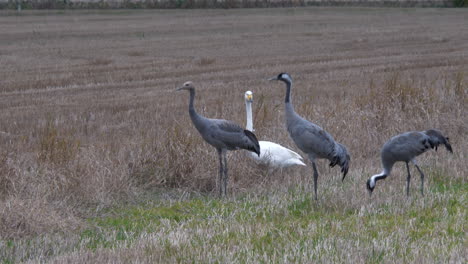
x: 198, y: 121
x: 248, y: 108
x: 373, y: 180
x: 193, y: 113
x: 287, y: 99
x: 387, y: 167
x: 385, y: 172
x: 380, y: 176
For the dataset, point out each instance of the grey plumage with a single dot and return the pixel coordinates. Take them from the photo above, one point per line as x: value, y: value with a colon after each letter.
x: 406, y: 147
x: 222, y: 134
x: 312, y: 139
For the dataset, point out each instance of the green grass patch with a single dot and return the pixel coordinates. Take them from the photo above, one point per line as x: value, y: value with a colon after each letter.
x: 291, y: 227
x: 269, y: 230
x: 440, y: 182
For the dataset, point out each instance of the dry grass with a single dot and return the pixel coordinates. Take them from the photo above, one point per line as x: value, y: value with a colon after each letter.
x: 90, y: 122
x: 188, y: 4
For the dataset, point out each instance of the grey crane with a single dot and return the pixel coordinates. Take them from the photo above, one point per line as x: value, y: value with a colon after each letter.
x: 223, y: 135
x: 406, y: 147
x: 273, y: 155
x: 311, y: 138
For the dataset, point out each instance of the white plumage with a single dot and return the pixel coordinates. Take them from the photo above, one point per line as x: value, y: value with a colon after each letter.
x: 271, y: 154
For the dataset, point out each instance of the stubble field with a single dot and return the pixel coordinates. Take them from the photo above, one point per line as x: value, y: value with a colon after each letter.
x: 99, y: 162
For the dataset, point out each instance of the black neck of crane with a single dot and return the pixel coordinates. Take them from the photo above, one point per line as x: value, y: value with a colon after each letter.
x: 192, y: 98
x: 380, y: 177
x: 288, y: 91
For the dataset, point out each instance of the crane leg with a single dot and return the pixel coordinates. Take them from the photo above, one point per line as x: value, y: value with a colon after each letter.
x: 422, y: 178
x: 315, y: 178
x: 225, y: 172
x: 221, y: 170
x: 408, y: 178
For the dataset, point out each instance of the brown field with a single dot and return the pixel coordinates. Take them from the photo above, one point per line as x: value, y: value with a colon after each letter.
x: 92, y: 131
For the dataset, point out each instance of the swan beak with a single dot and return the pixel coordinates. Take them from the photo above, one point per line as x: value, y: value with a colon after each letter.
x: 249, y: 97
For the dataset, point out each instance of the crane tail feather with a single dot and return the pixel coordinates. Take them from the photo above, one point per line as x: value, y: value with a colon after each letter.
x: 255, y: 146
x: 436, y: 137
x: 344, y: 170
x: 342, y: 159
x: 449, y: 147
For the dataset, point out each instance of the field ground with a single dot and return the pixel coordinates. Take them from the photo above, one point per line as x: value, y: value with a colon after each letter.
x: 99, y: 162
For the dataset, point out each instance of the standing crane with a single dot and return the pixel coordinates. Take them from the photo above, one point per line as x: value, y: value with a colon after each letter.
x: 310, y: 138
x: 271, y: 154
x: 406, y: 147
x: 222, y: 134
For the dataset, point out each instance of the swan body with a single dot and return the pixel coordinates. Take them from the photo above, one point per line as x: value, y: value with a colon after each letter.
x: 276, y: 156
x: 271, y: 154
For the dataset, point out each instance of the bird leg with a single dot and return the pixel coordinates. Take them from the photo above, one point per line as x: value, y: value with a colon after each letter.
x: 315, y: 178
x: 221, y: 170
x: 225, y: 172
x: 422, y: 177
x: 408, y: 178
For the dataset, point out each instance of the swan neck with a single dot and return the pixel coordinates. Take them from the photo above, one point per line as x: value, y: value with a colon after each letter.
x: 248, y: 107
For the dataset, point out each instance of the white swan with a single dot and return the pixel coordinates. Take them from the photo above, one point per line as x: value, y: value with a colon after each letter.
x: 271, y: 154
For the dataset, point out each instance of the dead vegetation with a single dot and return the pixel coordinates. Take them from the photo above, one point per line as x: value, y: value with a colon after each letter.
x: 89, y: 117
x: 190, y: 4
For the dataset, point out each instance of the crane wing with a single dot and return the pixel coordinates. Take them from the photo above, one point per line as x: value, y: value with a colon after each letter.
x: 313, y: 139
x: 227, y: 126
x: 232, y: 136
x: 408, y: 145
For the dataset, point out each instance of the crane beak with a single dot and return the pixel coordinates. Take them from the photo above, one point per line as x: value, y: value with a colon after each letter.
x: 273, y: 79
x: 180, y: 88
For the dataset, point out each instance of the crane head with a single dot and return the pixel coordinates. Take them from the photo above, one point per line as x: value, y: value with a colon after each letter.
x: 370, y: 185
x: 186, y: 86
x: 282, y: 77
x: 248, y: 96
